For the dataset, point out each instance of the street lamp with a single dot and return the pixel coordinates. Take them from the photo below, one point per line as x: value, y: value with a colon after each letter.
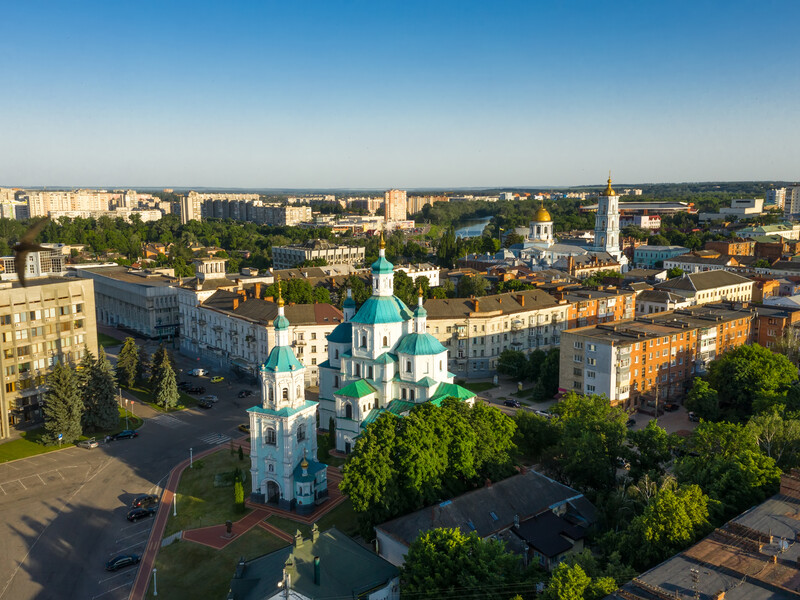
x: 155, y: 583
x: 190, y: 458
x: 175, y: 504
x: 127, y: 426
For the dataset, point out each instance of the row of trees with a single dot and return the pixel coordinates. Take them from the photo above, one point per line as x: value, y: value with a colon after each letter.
x: 399, y: 465
x: 158, y: 372
x: 538, y: 366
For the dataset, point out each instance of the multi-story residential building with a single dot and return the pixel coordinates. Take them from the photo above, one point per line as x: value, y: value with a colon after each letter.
x: 647, y: 257
x: 733, y: 247
x: 233, y: 329
x: 371, y: 205
x: 50, y: 320
x: 775, y: 197
x: 656, y: 301
x: 653, y: 357
x: 711, y: 287
x: 145, y: 302
x: 416, y: 203
x: 791, y: 202
x: 395, y: 205
x: 285, y: 216
x: 586, y: 265
x: 191, y: 207
x: 789, y: 232
x: 286, y: 257
x: 695, y: 262
x: 38, y: 264
x: 772, y: 323
x: 431, y: 272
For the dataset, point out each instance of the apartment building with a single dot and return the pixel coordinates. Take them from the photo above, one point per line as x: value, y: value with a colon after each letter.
x: 395, y: 203
x: 233, y: 330
x: 427, y: 270
x: 772, y: 323
x: 191, y: 207
x: 282, y: 216
x: 791, y: 202
x: 633, y: 361
x: 50, y: 320
x: 775, y: 197
x: 416, y: 203
x: 647, y: 257
x: 145, y: 302
x: 733, y: 247
x: 710, y: 287
x: 37, y: 264
x: 476, y: 331
x: 294, y: 255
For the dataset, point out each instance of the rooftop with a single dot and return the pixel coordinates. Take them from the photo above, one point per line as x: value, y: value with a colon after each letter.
x: 707, y: 280
x: 126, y: 275
x: 263, y: 311
x: 503, y: 303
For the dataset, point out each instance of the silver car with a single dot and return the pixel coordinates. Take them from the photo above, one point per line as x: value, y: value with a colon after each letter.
x: 88, y: 444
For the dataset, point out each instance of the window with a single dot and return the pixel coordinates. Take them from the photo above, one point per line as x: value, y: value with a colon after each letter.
x: 285, y: 393
x: 301, y: 433
x: 357, y: 368
x: 408, y: 366
x: 336, y: 353
x: 403, y: 394
x: 411, y: 395
x: 577, y: 372
x: 577, y: 358
x: 336, y: 381
x: 591, y: 374
x: 590, y: 388
x: 591, y: 361
x: 576, y: 385
x: 363, y: 341
x: 348, y: 411
x: 313, y: 336
x: 591, y: 347
x: 269, y: 437
x: 313, y: 349
x: 271, y: 394
x: 385, y: 341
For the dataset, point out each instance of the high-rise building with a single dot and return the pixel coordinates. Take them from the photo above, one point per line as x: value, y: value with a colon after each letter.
x: 51, y: 320
x: 395, y: 203
x: 791, y: 202
x: 191, y: 207
x: 775, y: 197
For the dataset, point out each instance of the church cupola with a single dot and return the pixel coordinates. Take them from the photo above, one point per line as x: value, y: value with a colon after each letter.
x: 382, y: 273
x: 349, y: 306
x: 420, y: 315
x: 281, y: 323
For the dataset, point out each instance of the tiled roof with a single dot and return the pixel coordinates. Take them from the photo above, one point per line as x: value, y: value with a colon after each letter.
x: 707, y: 280
x: 265, y: 312
x: 506, y: 303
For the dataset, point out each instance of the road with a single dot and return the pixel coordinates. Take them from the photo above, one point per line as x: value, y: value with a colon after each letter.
x: 64, y: 512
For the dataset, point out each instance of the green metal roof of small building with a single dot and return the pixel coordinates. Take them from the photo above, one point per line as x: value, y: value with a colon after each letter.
x: 398, y: 407
x: 356, y: 389
x: 386, y: 358
x: 282, y: 412
x: 450, y: 390
x: 342, y: 333
x: 427, y: 382
x: 420, y: 344
x: 371, y: 417
x: 313, y: 468
x: 281, y: 359
x: 382, y: 266
x: 382, y: 309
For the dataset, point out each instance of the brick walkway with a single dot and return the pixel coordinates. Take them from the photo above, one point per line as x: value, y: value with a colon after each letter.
x: 216, y: 536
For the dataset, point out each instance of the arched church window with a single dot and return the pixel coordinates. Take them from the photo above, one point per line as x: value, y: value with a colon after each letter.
x: 297, y: 391
x: 285, y: 393
x: 363, y: 341
x: 269, y: 437
x: 385, y: 342
x: 336, y: 381
x: 370, y: 371
x: 336, y: 353
x: 301, y: 433
x: 412, y: 394
x: 271, y: 467
x: 440, y: 365
x: 271, y: 394
x: 348, y: 411
x: 358, y: 370
x: 408, y: 366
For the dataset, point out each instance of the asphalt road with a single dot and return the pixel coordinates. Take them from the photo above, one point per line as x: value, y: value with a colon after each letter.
x: 64, y: 512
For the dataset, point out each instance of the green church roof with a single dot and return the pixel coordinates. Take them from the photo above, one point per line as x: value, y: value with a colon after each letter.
x: 371, y: 417
x: 382, y: 266
x: 281, y: 322
x: 356, y: 389
x: 427, y: 382
x: 382, y: 309
x: 450, y: 390
x: 419, y: 344
x: 386, y: 358
x: 342, y: 333
x: 398, y: 407
x: 281, y: 359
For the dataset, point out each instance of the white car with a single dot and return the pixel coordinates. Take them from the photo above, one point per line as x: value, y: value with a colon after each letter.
x: 210, y: 398
x: 198, y: 372
x: 88, y: 444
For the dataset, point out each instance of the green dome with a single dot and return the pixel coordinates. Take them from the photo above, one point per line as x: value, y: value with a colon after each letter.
x: 382, y: 266
x: 349, y: 302
x: 420, y: 312
x: 281, y: 322
x: 419, y: 344
x: 281, y: 359
x: 382, y: 309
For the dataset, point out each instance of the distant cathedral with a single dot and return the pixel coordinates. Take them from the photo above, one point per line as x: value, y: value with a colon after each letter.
x: 606, y: 225
x: 283, y: 431
x: 381, y: 358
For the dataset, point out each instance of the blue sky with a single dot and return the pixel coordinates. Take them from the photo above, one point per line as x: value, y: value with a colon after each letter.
x: 386, y: 94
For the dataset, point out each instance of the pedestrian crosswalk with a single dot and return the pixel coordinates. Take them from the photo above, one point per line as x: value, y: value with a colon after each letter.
x: 167, y: 421
x: 215, y: 438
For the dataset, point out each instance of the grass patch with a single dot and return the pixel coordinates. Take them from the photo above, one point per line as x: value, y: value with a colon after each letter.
x: 324, y: 443
x: 32, y: 443
x: 182, y: 566
x: 342, y: 517
x: 107, y: 341
x: 478, y: 386
x: 200, y: 504
x: 525, y: 393
x: 144, y: 395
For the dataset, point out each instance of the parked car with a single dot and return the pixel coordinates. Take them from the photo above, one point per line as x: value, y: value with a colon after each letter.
x: 671, y: 407
x: 182, y: 385
x: 211, y: 398
x: 90, y: 443
x: 245, y: 427
x: 217, y: 379
x: 125, y: 434
x: 205, y: 404
x: 197, y: 372
x: 245, y: 393
x: 631, y: 422
x: 542, y: 413
x: 144, y: 501
x: 140, y: 513
x: 123, y: 560
x: 694, y: 417
x: 513, y: 403
x: 197, y: 390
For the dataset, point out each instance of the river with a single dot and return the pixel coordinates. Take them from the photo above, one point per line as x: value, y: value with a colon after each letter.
x: 473, y: 228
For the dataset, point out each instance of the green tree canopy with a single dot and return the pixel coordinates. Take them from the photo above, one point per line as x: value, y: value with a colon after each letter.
x: 472, y: 285
x: 128, y: 362
x: 63, y: 407
x: 100, y: 400
x: 703, y: 400
x: 166, y: 388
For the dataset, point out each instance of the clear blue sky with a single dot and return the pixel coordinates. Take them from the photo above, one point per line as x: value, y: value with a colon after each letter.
x: 387, y: 93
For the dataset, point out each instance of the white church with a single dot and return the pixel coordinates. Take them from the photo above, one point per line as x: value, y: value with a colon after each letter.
x: 283, y: 432
x: 381, y: 359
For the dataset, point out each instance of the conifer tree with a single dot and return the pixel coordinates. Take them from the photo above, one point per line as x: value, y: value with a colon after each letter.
x: 100, y: 399
x: 63, y: 407
x: 84, y: 371
x: 166, y: 388
x: 144, y: 365
x: 128, y: 362
x: 156, y: 366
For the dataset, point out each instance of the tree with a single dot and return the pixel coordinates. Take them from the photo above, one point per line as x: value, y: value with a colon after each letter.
x: 547, y: 385
x: 514, y: 364
x: 143, y: 365
x: 100, y: 399
x: 83, y: 371
x: 321, y: 295
x: 654, y: 450
x: 442, y: 563
x: 472, y: 285
x: 674, y: 272
x: 703, y: 400
x: 446, y: 249
x: 160, y: 356
x: 534, y: 434
x: 166, y: 388
x: 238, y: 491
x: 128, y: 362
x: 738, y: 375
x: 63, y: 406
x: 777, y: 437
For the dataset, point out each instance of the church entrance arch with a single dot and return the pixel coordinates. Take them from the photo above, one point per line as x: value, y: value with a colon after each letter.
x: 272, y: 492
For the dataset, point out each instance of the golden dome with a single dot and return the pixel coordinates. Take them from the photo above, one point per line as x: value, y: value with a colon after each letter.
x: 304, y: 463
x: 542, y: 216
x: 609, y: 191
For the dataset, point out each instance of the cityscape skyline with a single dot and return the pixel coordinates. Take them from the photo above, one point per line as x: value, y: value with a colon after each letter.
x: 411, y: 95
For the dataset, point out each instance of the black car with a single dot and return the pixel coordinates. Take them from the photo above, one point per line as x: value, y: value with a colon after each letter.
x: 245, y: 393
x: 671, y: 407
x: 144, y: 501
x: 123, y: 560
x: 513, y: 403
x: 631, y: 422
x: 197, y: 390
x: 694, y: 417
x: 140, y: 513
x: 125, y: 434
x: 182, y: 385
x: 205, y: 404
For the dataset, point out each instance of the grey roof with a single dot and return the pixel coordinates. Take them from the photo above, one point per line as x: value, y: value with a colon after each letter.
x: 640, y: 286
x: 659, y: 296
x: 548, y: 532
x: 124, y: 274
x: 660, y: 248
x: 524, y: 496
x: 707, y: 280
x: 347, y: 570
x: 265, y: 312
x: 505, y: 303
x: 633, y: 273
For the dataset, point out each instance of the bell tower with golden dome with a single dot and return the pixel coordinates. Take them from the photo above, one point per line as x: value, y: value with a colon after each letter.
x: 606, y: 225
x: 541, y: 228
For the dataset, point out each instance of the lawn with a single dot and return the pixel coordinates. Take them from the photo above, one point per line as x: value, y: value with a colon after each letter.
x: 31, y: 444
x: 200, y: 504
x: 342, y: 517
x: 187, y: 570
x: 323, y: 445
x: 145, y: 396
x: 107, y: 341
x: 478, y: 386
